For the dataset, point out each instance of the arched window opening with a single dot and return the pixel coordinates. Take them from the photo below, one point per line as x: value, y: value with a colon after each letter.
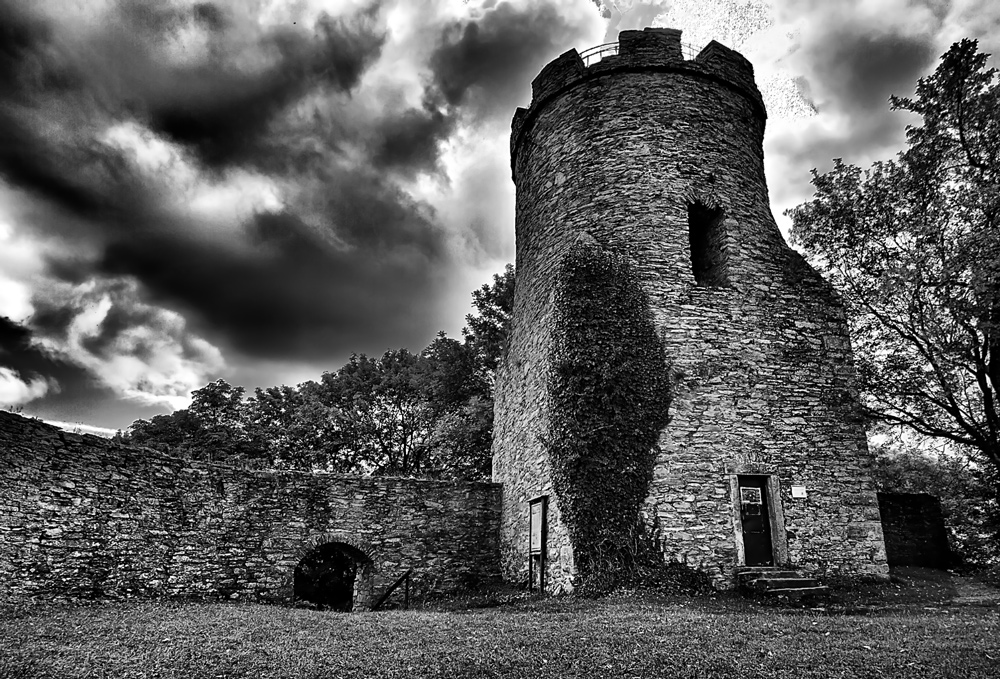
x: 708, y: 245
x: 329, y: 575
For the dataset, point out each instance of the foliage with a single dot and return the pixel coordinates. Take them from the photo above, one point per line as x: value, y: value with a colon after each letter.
x: 609, y: 389
x: 382, y: 421
x: 488, y: 329
x: 298, y: 430
x: 912, y: 245
x: 402, y: 413
x: 214, y: 428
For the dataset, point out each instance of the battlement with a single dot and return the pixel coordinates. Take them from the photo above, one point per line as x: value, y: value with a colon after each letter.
x: 651, y: 49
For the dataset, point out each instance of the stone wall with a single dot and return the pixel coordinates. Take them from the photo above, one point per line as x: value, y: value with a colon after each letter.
x: 621, y: 151
x: 84, y: 516
x: 915, y: 533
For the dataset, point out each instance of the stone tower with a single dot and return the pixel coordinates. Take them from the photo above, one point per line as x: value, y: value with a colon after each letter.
x: 658, y: 157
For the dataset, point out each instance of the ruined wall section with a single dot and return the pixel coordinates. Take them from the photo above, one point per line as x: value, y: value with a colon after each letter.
x: 620, y: 150
x: 915, y: 532
x: 84, y: 516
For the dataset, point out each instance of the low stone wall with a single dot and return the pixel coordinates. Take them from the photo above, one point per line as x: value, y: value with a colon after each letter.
x: 914, y: 529
x: 84, y: 516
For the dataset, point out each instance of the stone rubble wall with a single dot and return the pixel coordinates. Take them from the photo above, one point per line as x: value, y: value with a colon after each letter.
x: 83, y: 516
x: 618, y: 151
x: 915, y: 532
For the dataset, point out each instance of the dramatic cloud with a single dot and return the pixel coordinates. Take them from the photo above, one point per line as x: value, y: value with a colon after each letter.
x: 15, y: 391
x: 255, y: 189
x: 847, y: 60
x: 482, y: 62
x: 208, y: 188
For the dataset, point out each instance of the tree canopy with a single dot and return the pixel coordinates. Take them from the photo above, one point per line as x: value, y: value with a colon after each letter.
x: 913, y: 245
x: 402, y: 413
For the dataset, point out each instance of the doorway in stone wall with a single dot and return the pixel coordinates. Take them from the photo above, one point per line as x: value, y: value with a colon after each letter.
x: 755, y: 519
x: 334, y: 576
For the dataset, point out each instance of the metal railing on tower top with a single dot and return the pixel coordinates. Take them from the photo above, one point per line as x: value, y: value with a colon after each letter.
x: 594, y: 54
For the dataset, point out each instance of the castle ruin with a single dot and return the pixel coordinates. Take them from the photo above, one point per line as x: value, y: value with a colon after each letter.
x: 656, y: 156
x: 643, y: 156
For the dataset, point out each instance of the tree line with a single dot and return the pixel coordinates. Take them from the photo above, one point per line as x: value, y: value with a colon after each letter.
x: 402, y: 413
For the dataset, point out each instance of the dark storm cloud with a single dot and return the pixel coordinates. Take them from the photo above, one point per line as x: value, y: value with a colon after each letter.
x: 487, y: 64
x: 853, y: 75
x: 350, y: 262
x: 223, y: 112
x: 19, y: 353
x: 295, y: 294
x: 849, y: 59
x: 210, y: 14
x: 862, y: 71
x: 27, y: 157
x: 410, y: 141
x: 480, y: 68
x: 29, y: 161
x: 218, y: 107
x: 849, y: 63
x: 73, y: 394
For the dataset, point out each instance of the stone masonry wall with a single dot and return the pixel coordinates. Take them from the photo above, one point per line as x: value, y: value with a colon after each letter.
x: 84, y: 516
x: 620, y: 150
x: 915, y: 533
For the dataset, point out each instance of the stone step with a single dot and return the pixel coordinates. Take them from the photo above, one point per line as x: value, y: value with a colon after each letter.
x: 798, y: 592
x: 771, y: 584
x: 775, y: 581
x: 750, y: 576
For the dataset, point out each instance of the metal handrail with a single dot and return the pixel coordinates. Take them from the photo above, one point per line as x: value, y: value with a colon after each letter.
x: 392, y: 588
x: 592, y: 55
x: 689, y: 51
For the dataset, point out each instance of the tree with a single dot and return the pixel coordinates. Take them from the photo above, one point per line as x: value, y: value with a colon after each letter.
x: 382, y: 418
x: 215, y: 427
x: 913, y: 245
x: 166, y: 433
x: 458, y: 393
x: 487, y: 329
x: 297, y: 429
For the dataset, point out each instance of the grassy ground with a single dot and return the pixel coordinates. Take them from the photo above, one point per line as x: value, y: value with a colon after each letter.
x: 637, y: 636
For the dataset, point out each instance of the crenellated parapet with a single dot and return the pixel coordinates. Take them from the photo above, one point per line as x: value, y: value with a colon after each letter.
x: 651, y: 49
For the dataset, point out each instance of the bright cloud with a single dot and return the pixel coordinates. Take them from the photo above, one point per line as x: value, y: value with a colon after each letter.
x: 16, y: 391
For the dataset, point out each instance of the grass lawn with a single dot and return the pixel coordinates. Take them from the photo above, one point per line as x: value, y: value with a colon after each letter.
x: 623, y: 637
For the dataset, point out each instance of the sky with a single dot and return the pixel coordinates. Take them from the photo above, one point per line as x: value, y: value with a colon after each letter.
x: 253, y: 190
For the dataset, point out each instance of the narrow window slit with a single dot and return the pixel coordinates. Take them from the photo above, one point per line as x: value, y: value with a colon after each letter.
x: 708, y: 245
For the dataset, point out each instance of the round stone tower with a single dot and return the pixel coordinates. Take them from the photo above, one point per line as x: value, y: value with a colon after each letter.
x: 657, y: 156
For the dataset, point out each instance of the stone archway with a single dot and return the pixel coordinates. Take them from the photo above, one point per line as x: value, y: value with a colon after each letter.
x: 334, y: 572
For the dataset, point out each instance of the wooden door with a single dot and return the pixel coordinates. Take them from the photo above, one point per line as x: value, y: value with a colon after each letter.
x: 755, y: 515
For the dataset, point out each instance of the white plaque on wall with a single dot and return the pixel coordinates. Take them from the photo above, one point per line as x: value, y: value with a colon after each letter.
x: 798, y: 491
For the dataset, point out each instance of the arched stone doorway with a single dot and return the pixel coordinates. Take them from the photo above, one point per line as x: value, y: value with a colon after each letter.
x: 334, y: 575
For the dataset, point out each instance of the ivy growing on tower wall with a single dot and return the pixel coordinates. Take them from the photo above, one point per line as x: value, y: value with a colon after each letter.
x: 609, y: 389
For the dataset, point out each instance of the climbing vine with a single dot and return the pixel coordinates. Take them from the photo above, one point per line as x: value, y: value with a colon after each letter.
x: 609, y: 387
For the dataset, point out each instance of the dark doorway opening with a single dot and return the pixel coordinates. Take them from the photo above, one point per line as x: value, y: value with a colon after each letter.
x: 708, y: 245
x: 327, y: 576
x: 755, y: 515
